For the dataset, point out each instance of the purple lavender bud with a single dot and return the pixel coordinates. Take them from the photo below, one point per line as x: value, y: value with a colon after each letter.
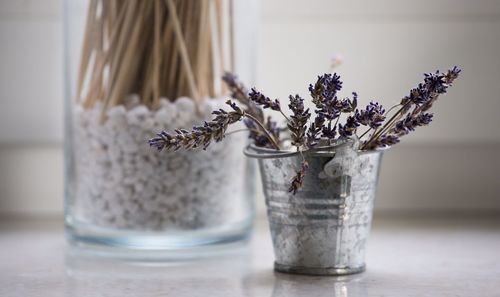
x: 259, y: 99
x: 326, y: 87
x: 328, y: 131
x: 372, y: 116
x: 435, y: 82
x: 381, y: 142
x: 239, y: 92
x: 452, y: 74
x: 387, y: 140
x: 314, y: 131
x: 410, y: 122
x: 298, y: 120
x: 417, y: 96
x: 349, y: 128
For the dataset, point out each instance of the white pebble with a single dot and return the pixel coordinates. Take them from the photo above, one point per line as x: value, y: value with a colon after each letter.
x: 125, y: 183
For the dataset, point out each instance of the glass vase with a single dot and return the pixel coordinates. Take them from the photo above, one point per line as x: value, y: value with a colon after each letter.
x: 135, y: 68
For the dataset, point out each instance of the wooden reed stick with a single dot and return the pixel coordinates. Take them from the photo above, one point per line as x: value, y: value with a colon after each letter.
x: 154, y: 48
x: 183, y: 51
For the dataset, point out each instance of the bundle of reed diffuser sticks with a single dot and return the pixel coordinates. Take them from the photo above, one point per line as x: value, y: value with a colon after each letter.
x: 154, y: 48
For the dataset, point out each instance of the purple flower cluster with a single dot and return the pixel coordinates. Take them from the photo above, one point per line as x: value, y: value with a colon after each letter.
x: 349, y: 128
x: 324, y: 96
x: 412, y: 113
x: 239, y: 92
x: 433, y: 85
x: 315, y: 130
x: 328, y: 107
x: 372, y: 116
x: 259, y: 99
x: 200, y: 136
x: 410, y: 122
x: 325, y: 88
x: 298, y: 120
x: 385, y: 141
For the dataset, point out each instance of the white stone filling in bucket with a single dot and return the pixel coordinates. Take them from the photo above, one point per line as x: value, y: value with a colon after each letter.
x: 126, y: 184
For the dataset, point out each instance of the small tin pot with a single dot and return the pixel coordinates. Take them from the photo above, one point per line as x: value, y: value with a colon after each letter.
x: 323, y: 228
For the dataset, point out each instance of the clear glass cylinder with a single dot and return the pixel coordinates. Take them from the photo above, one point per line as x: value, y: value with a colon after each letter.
x: 135, y: 68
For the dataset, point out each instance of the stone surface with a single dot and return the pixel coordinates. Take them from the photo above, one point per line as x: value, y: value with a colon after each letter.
x: 406, y: 257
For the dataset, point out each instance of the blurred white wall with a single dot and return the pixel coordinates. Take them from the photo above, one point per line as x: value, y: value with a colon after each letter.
x: 386, y: 45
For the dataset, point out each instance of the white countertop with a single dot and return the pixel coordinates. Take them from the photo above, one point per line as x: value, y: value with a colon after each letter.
x: 411, y: 257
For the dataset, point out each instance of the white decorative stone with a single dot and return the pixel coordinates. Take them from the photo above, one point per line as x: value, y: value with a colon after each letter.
x: 123, y: 183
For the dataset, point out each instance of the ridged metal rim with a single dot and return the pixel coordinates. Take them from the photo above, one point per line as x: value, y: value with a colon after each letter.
x: 257, y: 152
x: 326, y: 271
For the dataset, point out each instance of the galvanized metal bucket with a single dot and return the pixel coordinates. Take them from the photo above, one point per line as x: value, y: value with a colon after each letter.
x: 323, y: 229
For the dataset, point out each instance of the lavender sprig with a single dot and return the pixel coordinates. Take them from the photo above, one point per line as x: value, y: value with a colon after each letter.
x: 409, y: 123
x: 324, y: 95
x: 349, y: 128
x: 325, y: 88
x: 384, y: 141
x: 328, y: 107
x: 260, y: 99
x: 298, y: 180
x: 200, y: 136
x: 329, y: 131
x: 421, y: 99
x: 239, y: 92
x: 298, y: 121
x: 372, y: 116
x: 315, y: 130
x: 347, y: 105
x: 257, y: 133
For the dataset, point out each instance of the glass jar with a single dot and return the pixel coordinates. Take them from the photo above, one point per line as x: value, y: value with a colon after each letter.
x: 135, y: 68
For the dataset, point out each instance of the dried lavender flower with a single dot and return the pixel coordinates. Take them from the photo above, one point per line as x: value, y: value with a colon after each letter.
x: 298, y: 120
x: 329, y: 131
x: 200, y: 136
x: 347, y: 105
x: 383, y: 141
x: 298, y: 180
x: 236, y: 87
x: 324, y: 95
x: 410, y: 122
x: 349, y: 128
x: 239, y: 92
x: 325, y: 88
x: 421, y: 99
x: 452, y: 74
x: 372, y: 116
x: 260, y: 99
x: 315, y: 129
